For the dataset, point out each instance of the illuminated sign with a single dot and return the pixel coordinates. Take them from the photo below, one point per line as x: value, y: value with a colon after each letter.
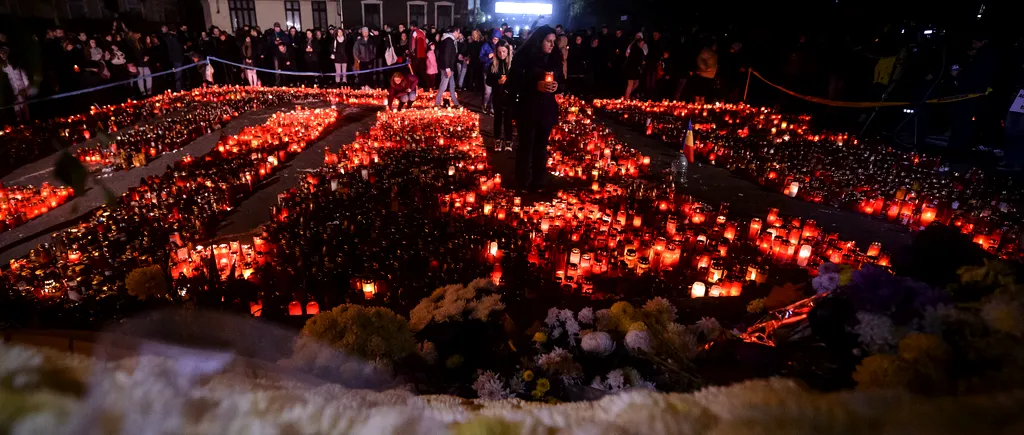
x: 522, y: 8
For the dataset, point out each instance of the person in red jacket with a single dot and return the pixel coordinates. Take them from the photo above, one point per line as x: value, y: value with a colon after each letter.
x: 418, y: 50
x: 402, y: 88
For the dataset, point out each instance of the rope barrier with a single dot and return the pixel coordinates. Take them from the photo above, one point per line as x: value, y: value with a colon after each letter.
x: 193, y: 65
x: 825, y: 101
x: 302, y: 73
x: 108, y: 85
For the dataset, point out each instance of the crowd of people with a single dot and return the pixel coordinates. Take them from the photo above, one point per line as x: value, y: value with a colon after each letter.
x: 690, y: 64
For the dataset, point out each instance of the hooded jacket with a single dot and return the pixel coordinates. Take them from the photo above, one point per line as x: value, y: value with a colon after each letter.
x: 488, y: 49
x: 447, y: 52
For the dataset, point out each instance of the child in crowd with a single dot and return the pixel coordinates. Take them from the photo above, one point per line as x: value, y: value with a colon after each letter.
x: 431, y: 67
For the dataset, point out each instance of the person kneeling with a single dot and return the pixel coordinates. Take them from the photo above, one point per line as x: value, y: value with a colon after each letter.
x: 403, y: 89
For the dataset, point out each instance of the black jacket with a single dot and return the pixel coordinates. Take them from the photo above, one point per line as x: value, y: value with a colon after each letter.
x: 447, y: 53
x: 528, y: 68
x: 339, y: 51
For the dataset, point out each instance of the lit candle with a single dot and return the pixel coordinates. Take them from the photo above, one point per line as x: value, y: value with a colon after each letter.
x: 755, y: 228
x: 874, y: 249
x: 697, y: 290
x: 928, y: 213
x: 804, y: 255
x: 369, y: 289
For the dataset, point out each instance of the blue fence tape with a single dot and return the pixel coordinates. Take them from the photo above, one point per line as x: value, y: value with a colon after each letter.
x: 300, y: 73
x: 108, y: 85
x: 193, y: 65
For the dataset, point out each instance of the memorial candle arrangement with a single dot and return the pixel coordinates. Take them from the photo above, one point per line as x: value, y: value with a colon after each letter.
x: 155, y: 221
x: 20, y: 204
x: 208, y: 109
x: 783, y: 153
x: 414, y: 203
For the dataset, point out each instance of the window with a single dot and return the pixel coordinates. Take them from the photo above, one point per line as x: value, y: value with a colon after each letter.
x: 417, y: 11
x: 320, y: 14
x: 292, y: 16
x: 444, y: 14
x: 243, y: 12
x: 77, y: 8
x: 371, y: 14
x: 133, y: 6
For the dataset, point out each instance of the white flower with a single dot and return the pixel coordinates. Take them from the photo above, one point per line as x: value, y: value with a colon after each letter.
x: 661, y: 307
x: 598, y: 343
x: 615, y: 380
x: 515, y: 385
x: 933, y: 317
x: 598, y: 383
x: 638, y: 340
x: 566, y: 316
x: 490, y: 387
x: 552, y: 316
x: 825, y: 282
x: 572, y: 328
x: 556, y: 332
x: 875, y: 332
x: 586, y: 316
x: 559, y: 362
x: 553, y: 358
x: 709, y: 326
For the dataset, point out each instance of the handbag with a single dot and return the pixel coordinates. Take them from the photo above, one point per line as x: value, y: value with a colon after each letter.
x: 389, y: 56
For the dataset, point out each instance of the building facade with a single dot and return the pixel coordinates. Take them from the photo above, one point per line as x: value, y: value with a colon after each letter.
x: 64, y: 10
x: 309, y: 14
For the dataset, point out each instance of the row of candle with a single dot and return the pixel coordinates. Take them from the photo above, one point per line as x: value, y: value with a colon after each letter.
x: 206, y: 110
x: 169, y: 212
x: 783, y: 153
x: 195, y: 118
x: 29, y: 142
x: 20, y: 204
x: 628, y: 226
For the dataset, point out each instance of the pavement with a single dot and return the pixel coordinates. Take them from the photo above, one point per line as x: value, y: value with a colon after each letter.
x: 255, y: 210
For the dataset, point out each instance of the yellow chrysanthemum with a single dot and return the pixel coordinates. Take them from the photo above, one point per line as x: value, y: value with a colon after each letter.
x: 543, y: 385
x: 454, y: 361
x: 540, y: 337
x: 917, y: 348
x: 537, y: 394
x: 883, y: 371
x: 845, y: 274
x: 528, y: 375
x: 755, y: 306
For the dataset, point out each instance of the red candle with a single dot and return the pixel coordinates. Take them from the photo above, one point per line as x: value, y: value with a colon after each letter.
x: 928, y: 213
x: 755, y: 228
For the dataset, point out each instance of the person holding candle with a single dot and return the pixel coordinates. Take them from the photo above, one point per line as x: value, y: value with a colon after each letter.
x: 497, y: 75
x: 402, y: 88
x: 532, y: 82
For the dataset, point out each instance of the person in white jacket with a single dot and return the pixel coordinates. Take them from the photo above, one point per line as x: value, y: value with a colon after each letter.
x: 19, y: 85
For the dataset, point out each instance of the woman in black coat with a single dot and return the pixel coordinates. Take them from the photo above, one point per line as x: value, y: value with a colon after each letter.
x: 339, y: 55
x: 536, y: 76
x: 311, y: 56
x: 496, y: 77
